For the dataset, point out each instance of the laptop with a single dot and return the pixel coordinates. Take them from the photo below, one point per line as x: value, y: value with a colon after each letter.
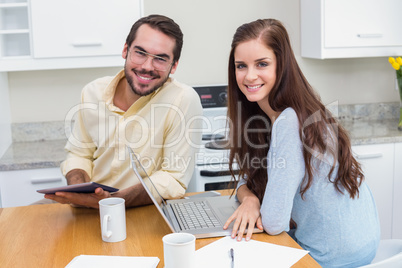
x: 201, y: 216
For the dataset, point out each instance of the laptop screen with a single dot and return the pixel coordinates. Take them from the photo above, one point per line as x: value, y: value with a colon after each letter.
x: 161, y: 206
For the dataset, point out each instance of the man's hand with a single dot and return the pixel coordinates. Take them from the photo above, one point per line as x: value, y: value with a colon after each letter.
x: 76, y: 176
x: 80, y: 199
x: 134, y: 196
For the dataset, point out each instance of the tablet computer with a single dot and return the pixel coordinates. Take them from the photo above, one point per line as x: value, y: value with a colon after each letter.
x: 87, y: 187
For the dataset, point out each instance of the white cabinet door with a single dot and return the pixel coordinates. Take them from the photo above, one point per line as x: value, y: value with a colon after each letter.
x: 377, y: 161
x: 350, y: 28
x: 14, y: 29
x: 397, y: 220
x: 362, y: 23
x: 77, y: 28
x: 18, y: 188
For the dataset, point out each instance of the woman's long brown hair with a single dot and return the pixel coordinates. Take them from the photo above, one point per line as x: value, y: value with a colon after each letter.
x: 319, y: 132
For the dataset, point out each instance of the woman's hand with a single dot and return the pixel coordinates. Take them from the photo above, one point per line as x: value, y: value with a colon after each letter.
x: 247, y: 215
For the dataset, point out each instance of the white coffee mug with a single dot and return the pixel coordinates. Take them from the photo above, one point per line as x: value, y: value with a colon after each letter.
x: 179, y: 250
x: 113, y: 219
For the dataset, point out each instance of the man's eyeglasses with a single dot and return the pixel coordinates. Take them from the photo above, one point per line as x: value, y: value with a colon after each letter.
x: 159, y: 63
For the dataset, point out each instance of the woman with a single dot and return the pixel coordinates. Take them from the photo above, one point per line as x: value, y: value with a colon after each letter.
x: 297, y: 169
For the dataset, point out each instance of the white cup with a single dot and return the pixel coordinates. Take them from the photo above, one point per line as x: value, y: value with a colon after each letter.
x: 179, y: 250
x: 113, y: 219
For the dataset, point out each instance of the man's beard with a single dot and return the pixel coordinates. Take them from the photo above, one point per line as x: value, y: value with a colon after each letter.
x: 142, y: 72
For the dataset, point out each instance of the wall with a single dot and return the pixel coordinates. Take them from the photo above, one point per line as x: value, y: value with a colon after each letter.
x: 208, y: 27
x: 48, y: 95
x: 5, y: 129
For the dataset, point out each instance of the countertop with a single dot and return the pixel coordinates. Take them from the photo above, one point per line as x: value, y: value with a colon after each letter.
x: 364, y: 132
x: 49, y: 154
x: 33, y: 154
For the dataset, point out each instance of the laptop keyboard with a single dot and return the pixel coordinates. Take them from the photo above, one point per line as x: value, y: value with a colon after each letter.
x: 195, y: 215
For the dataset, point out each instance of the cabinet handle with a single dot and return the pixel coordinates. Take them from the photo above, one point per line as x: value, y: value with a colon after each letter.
x: 86, y: 44
x: 45, y: 180
x: 374, y: 35
x: 369, y: 156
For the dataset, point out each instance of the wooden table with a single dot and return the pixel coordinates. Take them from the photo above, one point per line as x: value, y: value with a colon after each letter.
x: 52, y: 235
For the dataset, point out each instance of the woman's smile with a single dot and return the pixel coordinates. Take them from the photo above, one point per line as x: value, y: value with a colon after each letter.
x: 252, y: 88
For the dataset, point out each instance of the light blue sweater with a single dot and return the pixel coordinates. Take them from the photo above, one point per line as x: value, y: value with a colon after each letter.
x: 337, y: 230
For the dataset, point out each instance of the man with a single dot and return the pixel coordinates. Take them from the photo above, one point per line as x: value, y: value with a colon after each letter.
x: 142, y: 108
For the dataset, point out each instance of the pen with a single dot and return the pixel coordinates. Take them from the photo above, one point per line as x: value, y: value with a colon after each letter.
x: 231, y: 253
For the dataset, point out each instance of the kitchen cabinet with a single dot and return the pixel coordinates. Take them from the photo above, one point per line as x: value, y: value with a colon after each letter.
x: 98, y: 27
x: 348, y: 29
x: 377, y: 162
x: 14, y: 28
x: 47, y: 34
x: 18, y: 187
x: 397, y: 219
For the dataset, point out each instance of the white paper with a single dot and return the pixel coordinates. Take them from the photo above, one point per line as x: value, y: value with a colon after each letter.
x: 88, y: 261
x: 247, y: 254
